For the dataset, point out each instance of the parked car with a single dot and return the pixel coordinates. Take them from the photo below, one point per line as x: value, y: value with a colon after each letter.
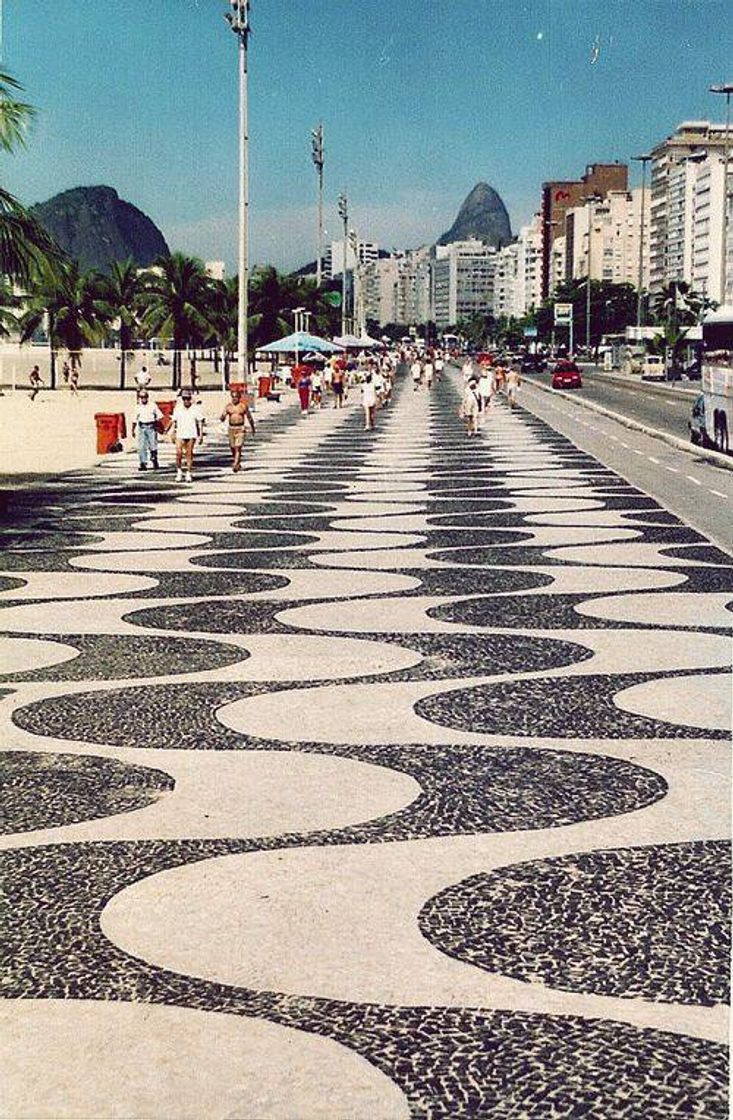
x: 653, y: 368
x: 566, y: 375
x: 533, y: 363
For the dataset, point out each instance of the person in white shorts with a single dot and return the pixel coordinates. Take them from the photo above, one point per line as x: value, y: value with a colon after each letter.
x: 187, y: 429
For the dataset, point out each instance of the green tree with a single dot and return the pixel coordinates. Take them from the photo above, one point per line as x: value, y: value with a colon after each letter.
x: 221, y: 314
x: 24, y: 244
x: 175, y: 303
x: 121, y: 292
x: 64, y: 302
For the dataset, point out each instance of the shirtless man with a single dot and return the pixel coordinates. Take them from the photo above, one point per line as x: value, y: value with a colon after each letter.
x: 237, y: 412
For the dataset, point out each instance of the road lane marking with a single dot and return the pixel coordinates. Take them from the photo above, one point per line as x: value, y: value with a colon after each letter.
x: 636, y: 451
x: 652, y: 459
x: 695, y: 480
x: 718, y: 494
x: 673, y: 470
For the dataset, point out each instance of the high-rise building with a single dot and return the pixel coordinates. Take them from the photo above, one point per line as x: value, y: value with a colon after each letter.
x: 397, y: 288
x: 366, y: 251
x: 517, y: 282
x: 463, y: 281
x: 559, y: 196
x: 606, y: 235
x: 686, y: 193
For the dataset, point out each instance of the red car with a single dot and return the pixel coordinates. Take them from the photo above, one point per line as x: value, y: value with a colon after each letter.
x: 566, y: 375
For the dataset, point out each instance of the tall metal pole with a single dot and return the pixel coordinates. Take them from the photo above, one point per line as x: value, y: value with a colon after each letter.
x: 589, y: 204
x: 318, y: 155
x: 727, y: 89
x: 643, y: 160
x: 238, y: 20
x: 344, y: 215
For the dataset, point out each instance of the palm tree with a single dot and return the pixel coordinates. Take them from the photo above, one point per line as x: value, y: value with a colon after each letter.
x: 122, y: 292
x: 222, y: 317
x: 9, y: 303
x: 271, y: 297
x: 24, y: 244
x: 174, y: 298
x: 66, y: 302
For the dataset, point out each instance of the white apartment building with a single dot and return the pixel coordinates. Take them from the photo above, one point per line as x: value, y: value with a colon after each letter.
x: 397, y: 288
x: 684, y: 237
x: 612, y: 249
x: 366, y: 252
x: 463, y: 281
x: 518, y: 279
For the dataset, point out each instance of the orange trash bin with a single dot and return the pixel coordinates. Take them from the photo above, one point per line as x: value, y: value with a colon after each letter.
x: 166, y: 407
x: 109, y: 430
x: 263, y: 385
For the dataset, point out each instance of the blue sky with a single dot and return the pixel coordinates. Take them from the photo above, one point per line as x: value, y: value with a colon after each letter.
x: 420, y: 99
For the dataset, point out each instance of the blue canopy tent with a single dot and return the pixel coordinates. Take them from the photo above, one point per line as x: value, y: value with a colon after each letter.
x: 298, y: 343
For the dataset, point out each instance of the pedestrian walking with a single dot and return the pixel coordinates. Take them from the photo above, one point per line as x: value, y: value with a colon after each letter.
x: 428, y: 372
x: 485, y: 390
x: 187, y: 430
x: 513, y: 381
x: 439, y: 364
x: 145, y: 427
x: 337, y: 384
x: 74, y: 381
x: 65, y: 372
x: 416, y: 372
x: 469, y: 408
x: 467, y: 370
x: 237, y: 413
x: 304, y: 391
x: 369, y: 400
x: 143, y: 378
x: 36, y: 383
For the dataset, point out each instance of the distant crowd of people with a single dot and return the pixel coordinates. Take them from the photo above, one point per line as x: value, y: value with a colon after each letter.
x: 482, y: 382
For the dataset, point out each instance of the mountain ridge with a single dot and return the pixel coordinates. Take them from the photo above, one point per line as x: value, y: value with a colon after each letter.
x: 96, y: 227
x: 483, y: 216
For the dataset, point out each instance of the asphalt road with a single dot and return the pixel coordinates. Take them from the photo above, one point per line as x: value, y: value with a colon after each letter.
x: 664, y: 407
x: 697, y: 491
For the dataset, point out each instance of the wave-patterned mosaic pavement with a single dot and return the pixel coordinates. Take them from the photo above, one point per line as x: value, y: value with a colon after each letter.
x: 384, y: 779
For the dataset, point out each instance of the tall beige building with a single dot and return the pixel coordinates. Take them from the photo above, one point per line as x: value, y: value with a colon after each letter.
x: 603, y: 237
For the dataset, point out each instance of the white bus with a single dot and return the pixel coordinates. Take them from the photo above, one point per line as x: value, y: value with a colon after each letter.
x: 712, y: 413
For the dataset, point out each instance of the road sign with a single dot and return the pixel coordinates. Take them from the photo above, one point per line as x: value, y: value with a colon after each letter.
x: 530, y: 332
x: 563, y: 313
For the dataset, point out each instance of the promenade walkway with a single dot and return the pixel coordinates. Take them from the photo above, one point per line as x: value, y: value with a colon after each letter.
x: 386, y: 778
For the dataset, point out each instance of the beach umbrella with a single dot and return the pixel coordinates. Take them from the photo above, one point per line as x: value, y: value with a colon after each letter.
x: 300, y: 341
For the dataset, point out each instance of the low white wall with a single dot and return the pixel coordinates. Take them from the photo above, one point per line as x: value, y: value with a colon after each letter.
x: 57, y: 431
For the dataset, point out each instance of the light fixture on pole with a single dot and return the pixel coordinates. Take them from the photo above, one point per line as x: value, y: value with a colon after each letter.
x: 297, y: 316
x: 238, y: 20
x: 318, y: 155
x: 726, y: 89
x: 343, y: 205
x: 643, y: 160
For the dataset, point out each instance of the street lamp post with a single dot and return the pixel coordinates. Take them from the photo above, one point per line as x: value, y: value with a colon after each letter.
x: 298, y: 317
x: 643, y: 160
x: 318, y: 159
x: 238, y: 20
x: 725, y: 89
x: 589, y: 201
x: 343, y: 205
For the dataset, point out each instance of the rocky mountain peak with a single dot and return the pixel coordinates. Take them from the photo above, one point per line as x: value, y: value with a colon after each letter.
x: 484, y: 216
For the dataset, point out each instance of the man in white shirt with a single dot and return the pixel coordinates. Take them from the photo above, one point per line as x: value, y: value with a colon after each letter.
x: 143, y: 378
x: 187, y: 430
x: 145, y: 426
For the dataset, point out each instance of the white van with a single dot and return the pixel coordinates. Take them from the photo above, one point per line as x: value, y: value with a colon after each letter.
x: 652, y: 368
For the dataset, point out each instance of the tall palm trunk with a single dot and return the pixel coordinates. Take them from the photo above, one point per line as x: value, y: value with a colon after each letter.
x: 53, y: 350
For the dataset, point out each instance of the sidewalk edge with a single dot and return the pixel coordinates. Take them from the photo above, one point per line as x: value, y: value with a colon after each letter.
x: 714, y: 457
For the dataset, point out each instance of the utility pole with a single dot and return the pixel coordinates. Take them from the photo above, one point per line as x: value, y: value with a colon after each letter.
x: 725, y: 89
x: 643, y: 160
x: 343, y: 205
x: 238, y: 20
x: 318, y: 155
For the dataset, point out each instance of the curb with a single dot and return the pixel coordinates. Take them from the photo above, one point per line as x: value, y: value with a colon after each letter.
x: 710, y: 456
